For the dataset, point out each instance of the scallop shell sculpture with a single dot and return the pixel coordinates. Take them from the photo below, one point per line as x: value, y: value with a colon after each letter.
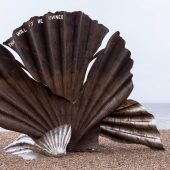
x: 55, y: 108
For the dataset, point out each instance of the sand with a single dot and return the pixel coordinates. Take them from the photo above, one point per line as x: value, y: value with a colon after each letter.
x: 109, y: 156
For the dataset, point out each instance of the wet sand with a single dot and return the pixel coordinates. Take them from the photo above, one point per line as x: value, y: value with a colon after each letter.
x: 110, y: 155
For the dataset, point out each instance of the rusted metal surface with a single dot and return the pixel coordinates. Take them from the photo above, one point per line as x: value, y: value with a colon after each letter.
x: 56, y: 52
x: 131, y: 123
x: 25, y: 105
x: 109, y: 83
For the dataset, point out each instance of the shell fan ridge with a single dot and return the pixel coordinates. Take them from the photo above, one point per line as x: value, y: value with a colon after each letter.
x: 53, y: 108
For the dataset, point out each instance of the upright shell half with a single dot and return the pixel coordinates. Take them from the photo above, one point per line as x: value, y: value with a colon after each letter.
x: 48, y: 98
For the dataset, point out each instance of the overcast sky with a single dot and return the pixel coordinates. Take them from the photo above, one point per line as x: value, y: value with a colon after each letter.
x: 144, y: 24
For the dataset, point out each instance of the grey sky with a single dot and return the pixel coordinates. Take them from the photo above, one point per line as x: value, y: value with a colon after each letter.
x: 144, y: 24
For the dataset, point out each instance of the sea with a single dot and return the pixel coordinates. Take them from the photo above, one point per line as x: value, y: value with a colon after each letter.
x: 161, y: 112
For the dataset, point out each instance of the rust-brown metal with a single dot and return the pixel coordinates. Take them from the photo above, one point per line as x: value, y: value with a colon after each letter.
x: 131, y: 123
x: 57, y: 52
x: 57, y: 105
